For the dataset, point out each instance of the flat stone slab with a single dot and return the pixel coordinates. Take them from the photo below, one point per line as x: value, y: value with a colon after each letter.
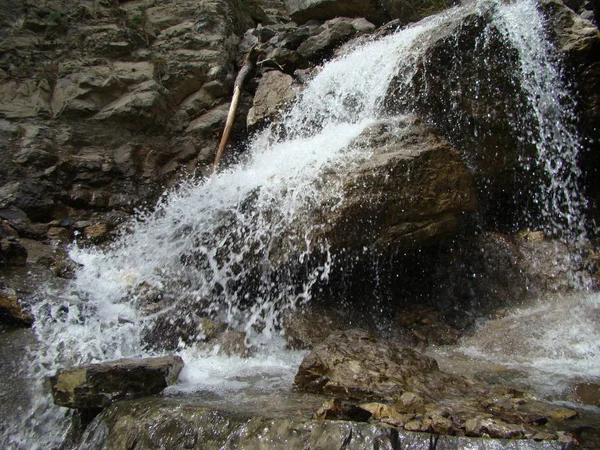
x: 96, y: 386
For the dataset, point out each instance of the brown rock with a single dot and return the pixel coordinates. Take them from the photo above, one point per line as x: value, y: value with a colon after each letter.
x: 98, y: 385
x: 588, y: 393
x: 59, y: 234
x: 12, y: 252
x: 96, y: 233
x: 11, y: 311
x: 413, y: 191
x: 273, y: 93
x: 351, y: 364
x: 563, y: 414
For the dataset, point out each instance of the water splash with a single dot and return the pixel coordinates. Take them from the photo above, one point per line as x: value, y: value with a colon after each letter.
x: 554, y: 136
x: 239, y: 246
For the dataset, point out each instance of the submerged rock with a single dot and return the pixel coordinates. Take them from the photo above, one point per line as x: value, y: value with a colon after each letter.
x: 96, y: 386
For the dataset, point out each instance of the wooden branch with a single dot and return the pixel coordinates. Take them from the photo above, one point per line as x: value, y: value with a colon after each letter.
x: 243, y: 76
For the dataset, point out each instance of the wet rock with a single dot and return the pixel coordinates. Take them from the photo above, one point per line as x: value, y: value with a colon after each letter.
x: 336, y: 409
x: 588, y: 393
x: 427, y: 326
x: 351, y: 364
x: 310, y: 326
x: 167, y: 422
x: 230, y: 343
x: 96, y: 233
x: 410, y: 403
x: 499, y: 429
x: 413, y: 191
x: 320, y: 46
x: 98, y: 385
x: 11, y: 311
x: 563, y: 414
x: 12, y: 252
x: 274, y: 91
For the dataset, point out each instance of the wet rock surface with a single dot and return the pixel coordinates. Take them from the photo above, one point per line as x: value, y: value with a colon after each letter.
x: 96, y: 386
x: 176, y: 423
x: 403, y: 388
x: 11, y: 310
x: 130, y: 96
x: 413, y: 190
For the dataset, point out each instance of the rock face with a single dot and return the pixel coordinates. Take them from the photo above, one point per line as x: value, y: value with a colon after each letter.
x: 376, y: 11
x: 497, y: 141
x: 98, y: 385
x: 169, y: 423
x: 412, y: 191
x: 95, y: 101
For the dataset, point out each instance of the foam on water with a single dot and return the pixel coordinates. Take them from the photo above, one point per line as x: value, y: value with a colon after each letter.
x: 269, y: 371
x: 554, y: 341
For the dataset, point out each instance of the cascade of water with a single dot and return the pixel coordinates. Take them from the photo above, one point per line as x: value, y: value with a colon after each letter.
x: 240, y: 246
x: 230, y: 246
x: 555, y: 138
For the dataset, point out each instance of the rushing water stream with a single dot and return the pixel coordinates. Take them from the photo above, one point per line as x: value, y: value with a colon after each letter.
x: 241, y: 247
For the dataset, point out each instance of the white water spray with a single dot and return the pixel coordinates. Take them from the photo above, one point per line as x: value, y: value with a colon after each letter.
x: 555, y: 138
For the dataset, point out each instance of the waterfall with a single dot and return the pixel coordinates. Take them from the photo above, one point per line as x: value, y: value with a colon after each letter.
x: 243, y: 246
x: 555, y: 138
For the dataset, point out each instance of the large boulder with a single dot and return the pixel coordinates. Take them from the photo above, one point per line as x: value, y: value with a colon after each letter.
x: 412, y: 190
x: 95, y: 386
x: 485, y: 111
x: 352, y: 364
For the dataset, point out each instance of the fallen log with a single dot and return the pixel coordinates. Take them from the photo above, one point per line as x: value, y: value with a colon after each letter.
x: 243, y: 76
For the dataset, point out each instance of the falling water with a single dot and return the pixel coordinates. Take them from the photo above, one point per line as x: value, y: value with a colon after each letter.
x: 555, y: 138
x: 242, y: 246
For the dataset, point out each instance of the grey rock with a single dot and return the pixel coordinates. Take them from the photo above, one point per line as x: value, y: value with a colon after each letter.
x: 321, y: 45
x: 275, y: 90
